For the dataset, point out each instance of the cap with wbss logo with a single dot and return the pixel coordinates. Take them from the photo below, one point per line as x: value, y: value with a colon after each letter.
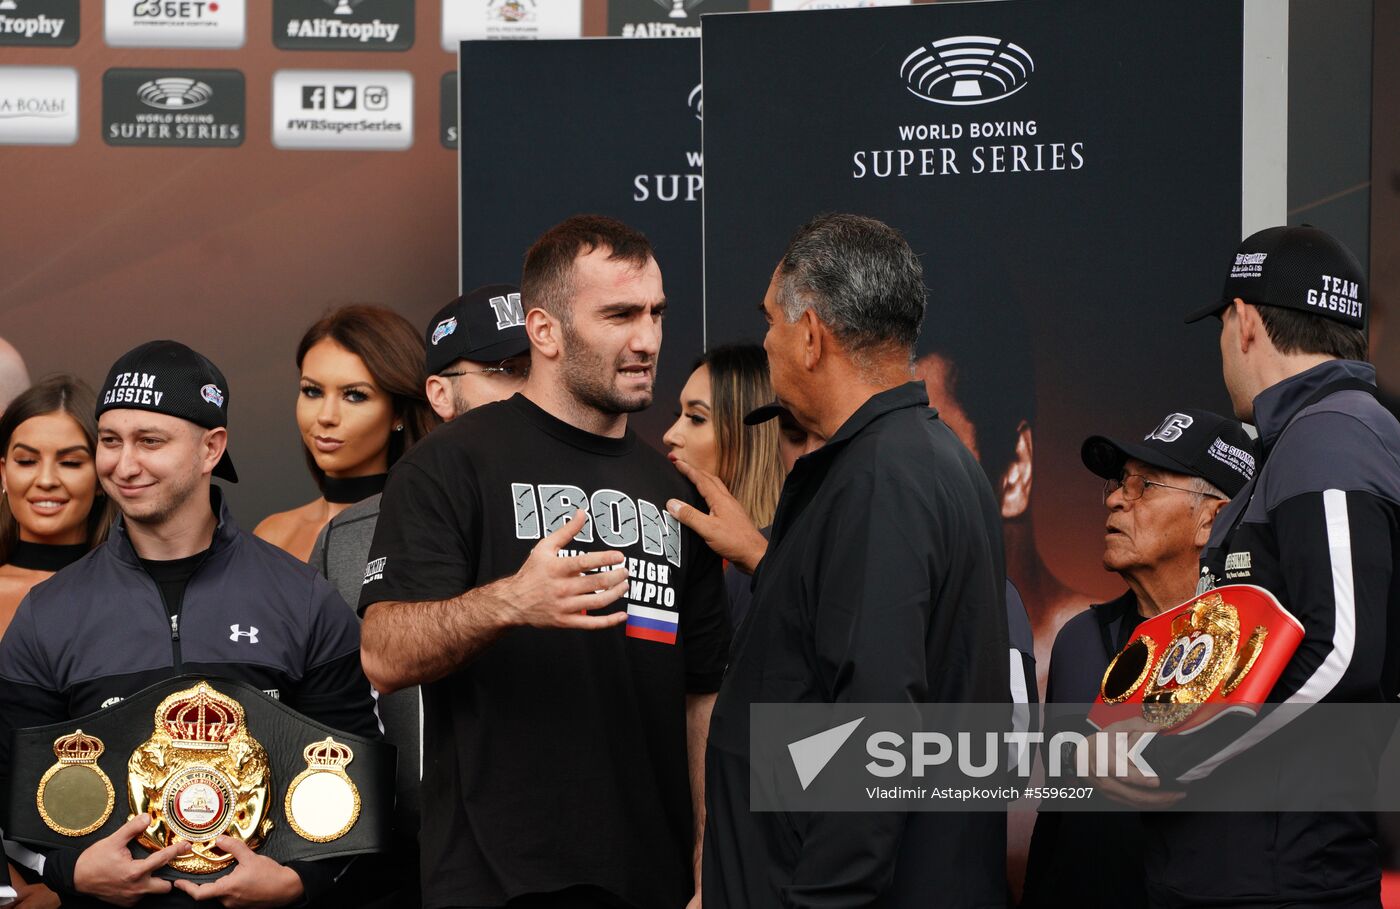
x: 1196, y: 443
x: 169, y: 378
x: 1300, y: 268
x: 485, y: 326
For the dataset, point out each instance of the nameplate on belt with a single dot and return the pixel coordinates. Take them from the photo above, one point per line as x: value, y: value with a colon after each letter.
x: 204, y: 758
x: 1216, y: 653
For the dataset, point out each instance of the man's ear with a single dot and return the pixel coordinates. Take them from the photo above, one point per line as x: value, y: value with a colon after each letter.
x: 813, y: 334
x: 439, y: 393
x: 1205, y: 520
x: 1249, y: 323
x: 545, y: 333
x: 214, y: 442
x: 1015, y: 486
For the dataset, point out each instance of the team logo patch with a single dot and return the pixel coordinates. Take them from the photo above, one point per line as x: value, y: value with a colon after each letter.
x: 444, y: 328
x: 212, y: 394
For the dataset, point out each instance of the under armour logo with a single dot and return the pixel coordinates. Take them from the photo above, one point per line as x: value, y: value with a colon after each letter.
x: 238, y: 632
x: 1171, y: 428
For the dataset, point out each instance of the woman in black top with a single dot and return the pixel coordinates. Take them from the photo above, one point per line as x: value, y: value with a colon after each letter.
x: 52, y: 511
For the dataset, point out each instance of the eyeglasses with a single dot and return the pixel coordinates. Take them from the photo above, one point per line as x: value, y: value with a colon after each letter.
x: 1134, y: 485
x: 508, y: 371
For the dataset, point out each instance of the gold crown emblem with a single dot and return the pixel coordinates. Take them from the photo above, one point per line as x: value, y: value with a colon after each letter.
x: 78, y: 749
x: 200, y: 718
x: 327, y: 754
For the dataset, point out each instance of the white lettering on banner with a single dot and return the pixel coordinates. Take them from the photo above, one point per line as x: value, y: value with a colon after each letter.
x: 29, y: 28
x: 1042, y: 157
x: 353, y: 31
x: 671, y: 187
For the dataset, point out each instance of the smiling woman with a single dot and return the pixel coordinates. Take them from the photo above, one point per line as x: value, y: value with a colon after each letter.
x: 52, y: 510
x: 360, y: 406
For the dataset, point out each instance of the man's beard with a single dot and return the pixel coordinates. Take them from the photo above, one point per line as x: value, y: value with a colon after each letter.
x: 591, y: 379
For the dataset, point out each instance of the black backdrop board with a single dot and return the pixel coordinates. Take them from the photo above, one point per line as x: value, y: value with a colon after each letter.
x: 622, y: 140
x: 1060, y: 252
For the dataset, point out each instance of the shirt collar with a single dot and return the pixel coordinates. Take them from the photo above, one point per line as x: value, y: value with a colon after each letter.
x: 910, y: 394
x: 1277, y: 404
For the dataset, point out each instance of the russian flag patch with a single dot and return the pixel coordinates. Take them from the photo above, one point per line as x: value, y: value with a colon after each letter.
x: 650, y: 624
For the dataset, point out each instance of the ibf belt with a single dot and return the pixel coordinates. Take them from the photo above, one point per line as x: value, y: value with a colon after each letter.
x: 204, y: 758
x: 1221, y: 651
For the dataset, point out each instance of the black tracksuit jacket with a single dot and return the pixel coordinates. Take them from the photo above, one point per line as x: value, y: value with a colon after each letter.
x: 884, y: 583
x: 1319, y: 527
x: 98, y: 631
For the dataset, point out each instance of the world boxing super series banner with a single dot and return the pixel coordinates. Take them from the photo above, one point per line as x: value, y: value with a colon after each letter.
x: 555, y: 128
x: 1072, y: 184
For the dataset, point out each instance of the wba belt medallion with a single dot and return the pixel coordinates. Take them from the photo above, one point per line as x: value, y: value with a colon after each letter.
x: 200, y: 776
x: 322, y: 802
x: 75, y: 797
x: 1221, y: 651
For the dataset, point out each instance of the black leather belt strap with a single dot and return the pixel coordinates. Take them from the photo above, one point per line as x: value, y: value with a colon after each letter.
x: 283, y: 733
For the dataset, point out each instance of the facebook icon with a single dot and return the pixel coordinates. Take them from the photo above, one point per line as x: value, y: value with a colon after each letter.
x: 313, y: 97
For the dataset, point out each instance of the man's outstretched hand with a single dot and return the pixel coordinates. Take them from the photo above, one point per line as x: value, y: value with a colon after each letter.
x: 727, y: 529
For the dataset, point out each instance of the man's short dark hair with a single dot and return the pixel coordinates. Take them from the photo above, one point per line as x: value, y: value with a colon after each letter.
x: 859, y: 276
x: 1293, y: 331
x: 547, y: 279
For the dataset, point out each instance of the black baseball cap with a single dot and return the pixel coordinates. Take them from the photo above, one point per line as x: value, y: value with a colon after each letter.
x: 486, y: 326
x: 168, y: 377
x: 765, y: 412
x: 1196, y: 443
x: 1300, y: 268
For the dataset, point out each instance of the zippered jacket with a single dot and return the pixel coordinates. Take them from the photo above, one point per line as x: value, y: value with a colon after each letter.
x: 98, y: 631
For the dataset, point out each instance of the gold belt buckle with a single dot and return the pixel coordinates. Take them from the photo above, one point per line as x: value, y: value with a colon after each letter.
x: 201, y: 776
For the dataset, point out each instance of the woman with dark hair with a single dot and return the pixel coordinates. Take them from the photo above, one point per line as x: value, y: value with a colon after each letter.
x: 359, y: 408
x: 53, y: 510
x: 709, y: 432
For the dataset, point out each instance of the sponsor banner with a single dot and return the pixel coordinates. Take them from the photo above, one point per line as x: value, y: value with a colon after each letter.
x: 39, y: 23
x: 447, y: 119
x: 470, y: 20
x: 781, y: 6
x: 175, y: 23
x: 1036, y: 177
x: 617, y: 143
x: 373, y: 25
x: 38, y: 105
x: 665, y: 18
x: 988, y: 757
x: 201, y: 107
x: 342, y: 109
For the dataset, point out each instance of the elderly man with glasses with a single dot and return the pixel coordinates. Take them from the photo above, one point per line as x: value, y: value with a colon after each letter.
x: 1162, y: 495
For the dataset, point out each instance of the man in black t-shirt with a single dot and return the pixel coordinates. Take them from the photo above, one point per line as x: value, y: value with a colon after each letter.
x: 568, y: 633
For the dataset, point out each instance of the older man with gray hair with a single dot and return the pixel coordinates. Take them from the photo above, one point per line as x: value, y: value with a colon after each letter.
x: 884, y: 583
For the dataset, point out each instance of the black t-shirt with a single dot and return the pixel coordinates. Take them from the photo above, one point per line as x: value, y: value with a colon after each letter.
x: 554, y: 758
x: 172, y: 576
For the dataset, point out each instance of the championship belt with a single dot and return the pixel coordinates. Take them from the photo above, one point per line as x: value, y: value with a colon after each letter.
x: 204, y: 759
x: 1219, y: 652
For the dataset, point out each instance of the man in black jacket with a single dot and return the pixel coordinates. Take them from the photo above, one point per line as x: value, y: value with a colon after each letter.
x: 884, y: 582
x: 1319, y: 528
x: 177, y: 588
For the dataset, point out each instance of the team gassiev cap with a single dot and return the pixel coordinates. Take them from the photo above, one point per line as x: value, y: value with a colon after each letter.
x: 1300, y: 268
x: 484, y: 326
x: 168, y: 377
x: 1196, y: 443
